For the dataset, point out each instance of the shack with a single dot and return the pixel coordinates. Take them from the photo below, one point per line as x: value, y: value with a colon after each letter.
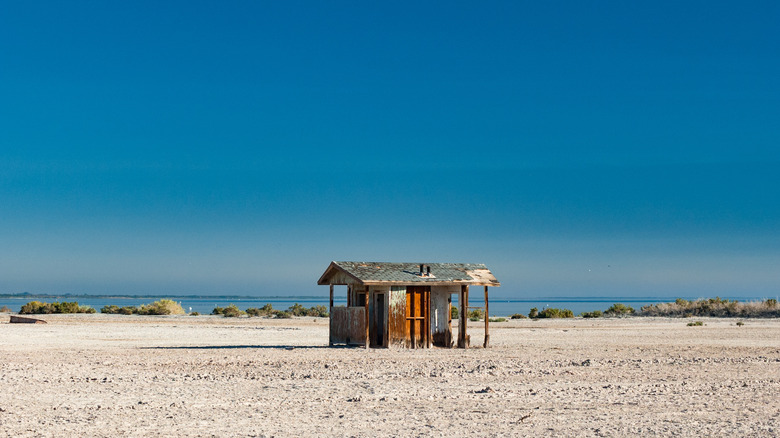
x: 404, y: 304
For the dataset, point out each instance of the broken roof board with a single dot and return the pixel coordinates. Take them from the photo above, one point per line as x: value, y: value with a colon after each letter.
x: 398, y: 274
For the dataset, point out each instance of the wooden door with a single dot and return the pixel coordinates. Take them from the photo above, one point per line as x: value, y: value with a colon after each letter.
x: 417, y: 312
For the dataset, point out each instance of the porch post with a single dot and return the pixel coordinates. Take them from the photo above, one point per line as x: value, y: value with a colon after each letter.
x: 368, y: 340
x: 330, y: 313
x: 428, y: 317
x: 464, y: 310
x: 487, y: 320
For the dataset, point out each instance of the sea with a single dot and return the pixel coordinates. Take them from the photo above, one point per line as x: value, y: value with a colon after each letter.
x: 205, y: 305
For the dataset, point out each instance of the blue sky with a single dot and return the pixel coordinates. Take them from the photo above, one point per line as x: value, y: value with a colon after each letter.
x: 601, y: 149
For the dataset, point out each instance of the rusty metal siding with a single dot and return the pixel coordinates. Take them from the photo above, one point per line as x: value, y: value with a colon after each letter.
x: 396, y: 316
x: 348, y: 325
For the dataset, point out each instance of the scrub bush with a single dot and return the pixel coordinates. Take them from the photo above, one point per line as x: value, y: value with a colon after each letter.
x: 619, y: 309
x: 161, y: 307
x: 37, y: 307
x: 552, y: 312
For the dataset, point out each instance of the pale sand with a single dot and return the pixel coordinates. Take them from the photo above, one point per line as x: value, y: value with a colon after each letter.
x: 114, y: 375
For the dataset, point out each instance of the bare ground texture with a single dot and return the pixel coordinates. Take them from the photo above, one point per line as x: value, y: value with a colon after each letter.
x: 118, y: 375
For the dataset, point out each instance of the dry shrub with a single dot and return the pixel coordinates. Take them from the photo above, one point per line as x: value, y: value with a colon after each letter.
x: 715, y: 307
x: 552, y: 312
x: 37, y: 307
x: 162, y: 307
x: 619, y: 309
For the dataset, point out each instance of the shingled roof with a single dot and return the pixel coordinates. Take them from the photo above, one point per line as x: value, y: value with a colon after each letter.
x: 399, y: 274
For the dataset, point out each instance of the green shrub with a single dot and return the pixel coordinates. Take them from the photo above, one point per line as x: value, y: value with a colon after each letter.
x: 695, y: 324
x: 37, y: 307
x: 110, y: 309
x: 297, y: 310
x: 127, y: 310
x: 453, y: 312
x: 476, y: 315
x: 218, y: 311
x: 195, y: 314
x: 496, y: 319
x: 266, y: 310
x: 552, y: 312
x: 716, y: 307
x: 232, y: 311
x: 740, y: 323
x: 518, y: 316
x: 593, y: 314
x: 161, y: 307
x: 534, y: 313
x: 618, y: 309
x: 318, y: 311
x: 32, y: 307
x: 771, y: 302
x: 282, y: 314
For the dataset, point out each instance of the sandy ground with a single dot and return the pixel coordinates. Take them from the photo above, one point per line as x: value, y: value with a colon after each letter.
x: 116, y: 375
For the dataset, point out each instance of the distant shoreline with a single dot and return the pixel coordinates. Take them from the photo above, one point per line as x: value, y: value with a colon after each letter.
x: 150, y: 296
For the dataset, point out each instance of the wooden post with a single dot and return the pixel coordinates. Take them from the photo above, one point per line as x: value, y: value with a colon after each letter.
x: 463, y: 302
x: 448, y: 338
x: 460, y: 318
x: 368, y: 340
x: 429, y: 335
x: 487, y: 320
x: 466, y: 317
x: 330, y: 312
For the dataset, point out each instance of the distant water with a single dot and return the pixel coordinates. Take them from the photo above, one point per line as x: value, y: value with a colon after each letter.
x: 498, y: 307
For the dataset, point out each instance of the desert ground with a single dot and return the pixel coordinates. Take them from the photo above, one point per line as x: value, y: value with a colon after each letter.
x: 118, y: 375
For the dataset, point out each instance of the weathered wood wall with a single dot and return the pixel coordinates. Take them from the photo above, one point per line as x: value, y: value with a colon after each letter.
x: 417, y: 316
x: 396, y: 316
x: 348, y: 325
x: 440, y: 314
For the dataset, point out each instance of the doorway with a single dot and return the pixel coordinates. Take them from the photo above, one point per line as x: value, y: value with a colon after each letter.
x: 417, y: 311
x: 378, y: 340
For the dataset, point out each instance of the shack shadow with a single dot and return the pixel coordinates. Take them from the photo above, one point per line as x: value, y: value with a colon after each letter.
x: 259, y: 347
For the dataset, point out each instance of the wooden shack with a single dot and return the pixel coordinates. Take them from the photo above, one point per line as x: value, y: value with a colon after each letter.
x: 404, y: 304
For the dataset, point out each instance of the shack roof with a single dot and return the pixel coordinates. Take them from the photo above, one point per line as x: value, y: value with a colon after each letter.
x: 400, y: 274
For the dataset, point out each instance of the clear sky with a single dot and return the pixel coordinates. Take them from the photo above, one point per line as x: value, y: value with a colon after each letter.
x: 576, y: 148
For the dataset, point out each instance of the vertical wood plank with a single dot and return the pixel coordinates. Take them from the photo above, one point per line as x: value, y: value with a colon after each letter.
x: 368, y: 299
x: 330, y: 311
x: 465, y: 317
x: 487, y: 321
x: 449, y: 323
x: 428, y: 318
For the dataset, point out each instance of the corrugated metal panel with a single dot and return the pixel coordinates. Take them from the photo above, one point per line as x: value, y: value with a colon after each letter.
x: 348, y: 325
